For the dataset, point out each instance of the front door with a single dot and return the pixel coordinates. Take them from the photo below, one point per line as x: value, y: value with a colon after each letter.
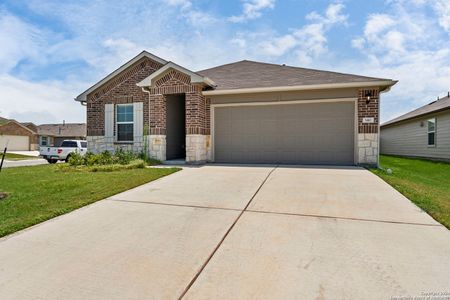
x: 175, y: 127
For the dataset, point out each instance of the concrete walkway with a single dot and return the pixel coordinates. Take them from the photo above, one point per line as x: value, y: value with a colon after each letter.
x: 235, y: 232
x: 24, y: 162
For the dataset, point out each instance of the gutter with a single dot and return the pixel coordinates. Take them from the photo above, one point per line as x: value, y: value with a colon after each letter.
x: 379, y: 83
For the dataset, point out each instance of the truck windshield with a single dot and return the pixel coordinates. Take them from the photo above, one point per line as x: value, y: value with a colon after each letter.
x: 68, y: 144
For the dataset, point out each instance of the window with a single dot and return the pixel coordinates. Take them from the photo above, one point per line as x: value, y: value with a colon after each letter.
x: 124, y: 122
x: 83, y: 144
x: 69, y: 144
x: 44, y: 141
x: 431, y: 132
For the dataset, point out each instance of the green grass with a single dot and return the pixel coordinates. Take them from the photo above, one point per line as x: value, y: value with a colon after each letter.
x: 13, y: 156
x: 39, y: 193
x: 424, y: 182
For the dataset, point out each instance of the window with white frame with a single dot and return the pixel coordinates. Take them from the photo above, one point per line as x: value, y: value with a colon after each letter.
x: 431, y: 132
x: 44, y: 141
x: 124, y: 122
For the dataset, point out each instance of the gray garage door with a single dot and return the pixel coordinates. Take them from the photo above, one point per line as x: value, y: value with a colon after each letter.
x: 310, y: 133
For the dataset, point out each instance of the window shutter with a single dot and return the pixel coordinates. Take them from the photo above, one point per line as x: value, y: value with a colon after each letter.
x: 109, y: 120
x: 138, y: 120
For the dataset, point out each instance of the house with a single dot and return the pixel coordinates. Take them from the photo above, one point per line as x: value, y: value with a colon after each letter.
x: 242, y: 112
x: 54, y: 134
x: 17, y: 136
x: 423, y: 132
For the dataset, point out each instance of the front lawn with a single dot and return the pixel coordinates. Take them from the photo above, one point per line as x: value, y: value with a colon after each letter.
x: 13, y: 156
x: 39, y: 193
x: 424, y: 182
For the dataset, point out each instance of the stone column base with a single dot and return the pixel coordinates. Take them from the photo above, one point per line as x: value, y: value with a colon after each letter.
x: 157, y: 145
x: 368, y: 149
x: 196, y: 152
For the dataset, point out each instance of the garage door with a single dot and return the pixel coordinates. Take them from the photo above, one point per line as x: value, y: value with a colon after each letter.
x: 307, y: 133
x: 15, y: 142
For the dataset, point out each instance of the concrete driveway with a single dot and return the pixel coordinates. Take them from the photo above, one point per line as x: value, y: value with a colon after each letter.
x: 235, y: 232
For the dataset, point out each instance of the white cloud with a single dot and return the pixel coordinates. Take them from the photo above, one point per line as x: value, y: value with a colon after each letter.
x: 38, y: 102
x: 405, y: 44
x: 306, y: 43
x: 18, y: 41
x: 442, y: 9
x: 252, y: 9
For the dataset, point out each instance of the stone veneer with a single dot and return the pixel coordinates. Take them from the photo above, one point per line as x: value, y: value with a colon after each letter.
x: 196, y: 151
x: 157, y: 147
x: 368, y: 148
x: 97, y: 144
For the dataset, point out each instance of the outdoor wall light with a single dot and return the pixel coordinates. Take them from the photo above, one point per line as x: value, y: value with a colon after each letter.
x: 368, y: 96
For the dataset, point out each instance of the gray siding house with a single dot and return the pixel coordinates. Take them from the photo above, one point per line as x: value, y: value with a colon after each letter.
x: 424, y: 132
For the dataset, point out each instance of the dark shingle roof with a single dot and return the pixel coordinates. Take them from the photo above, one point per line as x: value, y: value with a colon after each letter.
x: 438, y: 105
x: 251, y: 74
x: 63, y: 130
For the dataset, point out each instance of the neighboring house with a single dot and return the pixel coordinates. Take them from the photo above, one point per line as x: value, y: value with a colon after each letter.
x: 424, y: 132
x: 17, y: 136
x: 55, y: 134
x: 243, y: 112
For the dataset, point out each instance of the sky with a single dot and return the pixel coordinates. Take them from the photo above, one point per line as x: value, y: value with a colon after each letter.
x: 51, y: 51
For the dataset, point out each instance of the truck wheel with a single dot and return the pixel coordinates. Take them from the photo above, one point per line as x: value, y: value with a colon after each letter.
x: 67, y: 158
x: 52, y: 161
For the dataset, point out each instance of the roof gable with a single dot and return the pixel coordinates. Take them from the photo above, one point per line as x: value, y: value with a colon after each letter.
x: 151, y: 80
x: 16, y: 124
x: 83, y: 96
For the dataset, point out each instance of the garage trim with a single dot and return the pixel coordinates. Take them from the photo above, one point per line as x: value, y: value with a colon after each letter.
x: 284, y: 102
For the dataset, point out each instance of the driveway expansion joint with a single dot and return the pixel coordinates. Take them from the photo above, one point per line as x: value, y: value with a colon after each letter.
x: 191, y: 283
x: 341, y: 218
x: 173, y: 204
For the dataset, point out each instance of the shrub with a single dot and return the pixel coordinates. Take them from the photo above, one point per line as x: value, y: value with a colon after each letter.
x: 124, y: 157
x: 76, y: 159
x: 134, y: 164
x: 107, y: 161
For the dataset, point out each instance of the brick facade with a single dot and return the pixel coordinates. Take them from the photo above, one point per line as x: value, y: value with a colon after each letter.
x: 368, y: 110
x: 121, y: 89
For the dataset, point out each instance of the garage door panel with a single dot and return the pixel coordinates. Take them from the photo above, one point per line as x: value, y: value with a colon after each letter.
x: 313, y: 133
x: 15, y: 142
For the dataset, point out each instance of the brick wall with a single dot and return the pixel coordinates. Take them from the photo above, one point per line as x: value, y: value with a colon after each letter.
x: 157, y: 114
x: 175, y: 82
x: 368, y: 110
x: 120, y: 89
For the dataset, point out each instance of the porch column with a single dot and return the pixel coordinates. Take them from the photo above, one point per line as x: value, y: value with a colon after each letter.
x: 157, y: 137
x: 197, y: 128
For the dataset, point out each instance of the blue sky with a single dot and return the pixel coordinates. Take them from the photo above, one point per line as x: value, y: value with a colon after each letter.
x: 53, y: 50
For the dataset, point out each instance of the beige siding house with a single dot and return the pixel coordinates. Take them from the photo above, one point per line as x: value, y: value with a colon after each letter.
x: 424, y: 132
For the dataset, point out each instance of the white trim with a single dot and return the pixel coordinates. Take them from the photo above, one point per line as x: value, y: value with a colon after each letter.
x: 195, y: 78
x: 434, y: 131
x: 283, y: 102
x: 116, y: 139
x: 83, y: 97
x: 355, y: 100
x: 377, y: 83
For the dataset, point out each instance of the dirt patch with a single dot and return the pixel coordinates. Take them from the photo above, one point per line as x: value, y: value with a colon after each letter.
x: 3, y: 196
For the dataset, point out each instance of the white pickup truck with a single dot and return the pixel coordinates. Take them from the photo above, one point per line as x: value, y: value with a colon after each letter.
x: 63, y: 152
